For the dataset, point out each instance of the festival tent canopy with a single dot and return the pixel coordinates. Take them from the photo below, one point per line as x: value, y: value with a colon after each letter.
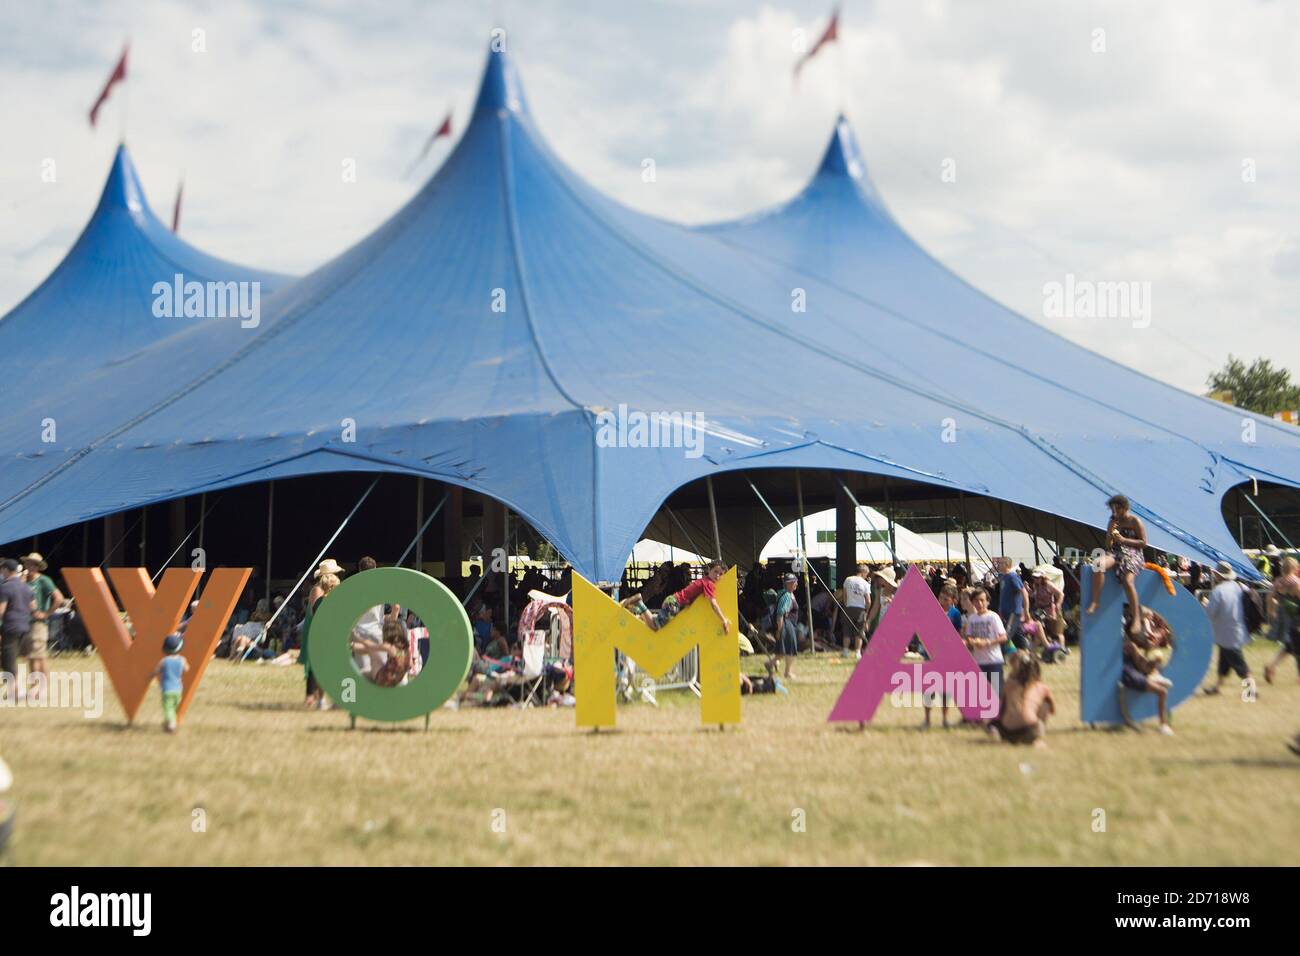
x: 488, y: 333
x: 1172, y: 453
x: 97, y: 307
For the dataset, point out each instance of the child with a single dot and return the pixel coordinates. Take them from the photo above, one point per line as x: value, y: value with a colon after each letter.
x: 1141, y: 672
x: 984, y: 634
x: 1027, y: 705
x: 948, y: 601
x: 169, y: 672
x: 636, y: 604
x: 1126, y: 537
x: 397, y: 659
x: 674, y: 604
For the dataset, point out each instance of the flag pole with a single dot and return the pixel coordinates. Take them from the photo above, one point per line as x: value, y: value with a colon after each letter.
x: 840, y: 73
x: 126, y: 97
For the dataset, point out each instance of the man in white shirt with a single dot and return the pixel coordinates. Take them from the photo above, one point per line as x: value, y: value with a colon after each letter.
x: 1226, y: 610
x: 856, y: 593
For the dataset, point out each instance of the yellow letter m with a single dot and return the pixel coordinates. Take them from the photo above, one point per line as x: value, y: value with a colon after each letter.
x: 601, y: 626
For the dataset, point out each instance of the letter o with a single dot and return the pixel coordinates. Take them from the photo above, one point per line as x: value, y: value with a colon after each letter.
x: 450, y: 643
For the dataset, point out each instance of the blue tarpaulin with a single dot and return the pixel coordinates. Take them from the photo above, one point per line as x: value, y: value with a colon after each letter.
x: 484, y: 333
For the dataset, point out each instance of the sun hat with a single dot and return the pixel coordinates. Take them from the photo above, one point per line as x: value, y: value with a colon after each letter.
x: 35, y: 559
x: 1224, y: 570
x: 1272, y: 551
x: 328, y: 566
x: 887, y: 575
x: 745, y: 645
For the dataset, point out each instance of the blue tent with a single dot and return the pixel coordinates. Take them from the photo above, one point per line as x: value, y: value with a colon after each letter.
x: 96, y: 307
x: 485, y: 335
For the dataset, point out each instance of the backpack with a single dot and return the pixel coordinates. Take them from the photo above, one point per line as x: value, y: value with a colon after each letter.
x: 1254, y: 610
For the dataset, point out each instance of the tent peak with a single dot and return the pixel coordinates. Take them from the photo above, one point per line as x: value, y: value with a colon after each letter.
x: 842, y: 156
x: 122, y: 190
x: 500, y: 88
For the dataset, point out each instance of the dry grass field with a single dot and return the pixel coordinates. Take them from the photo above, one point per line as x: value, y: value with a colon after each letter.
x: 277, y: 785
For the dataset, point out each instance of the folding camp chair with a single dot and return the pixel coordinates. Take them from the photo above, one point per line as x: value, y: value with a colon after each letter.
x: 534, y: 674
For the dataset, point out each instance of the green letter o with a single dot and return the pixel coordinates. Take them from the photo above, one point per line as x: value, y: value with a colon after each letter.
x: 450, y: 643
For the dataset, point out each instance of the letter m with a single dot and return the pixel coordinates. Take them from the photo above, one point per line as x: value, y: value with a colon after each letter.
x: 602, y: 626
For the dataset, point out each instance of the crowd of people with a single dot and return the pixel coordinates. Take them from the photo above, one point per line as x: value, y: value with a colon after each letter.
x: 28, y: 599
x: 1011, y: 615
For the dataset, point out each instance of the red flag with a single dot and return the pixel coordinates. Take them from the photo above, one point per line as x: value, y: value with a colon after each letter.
x: 176, y: 210
x: 831, y: 33
x: 119, y: 74
x: 444, y: 129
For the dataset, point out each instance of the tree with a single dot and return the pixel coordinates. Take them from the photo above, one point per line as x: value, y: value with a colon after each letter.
x: 1258, y: 387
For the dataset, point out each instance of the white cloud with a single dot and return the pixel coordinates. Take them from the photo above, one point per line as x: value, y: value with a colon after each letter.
x: 1117, y: 165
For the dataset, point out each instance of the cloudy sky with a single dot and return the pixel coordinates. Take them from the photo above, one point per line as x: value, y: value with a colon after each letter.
x: 1153, y: 142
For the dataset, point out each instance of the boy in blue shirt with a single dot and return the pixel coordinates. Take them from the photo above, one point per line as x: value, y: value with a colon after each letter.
x: 170, y: 671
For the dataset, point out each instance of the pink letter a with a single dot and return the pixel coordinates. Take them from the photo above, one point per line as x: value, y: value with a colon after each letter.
x: 914, y: 612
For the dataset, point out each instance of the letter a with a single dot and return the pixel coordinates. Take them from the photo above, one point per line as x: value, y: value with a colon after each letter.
x: 914, y: 612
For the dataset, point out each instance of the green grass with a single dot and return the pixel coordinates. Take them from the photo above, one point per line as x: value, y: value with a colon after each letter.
x: 282, y: 786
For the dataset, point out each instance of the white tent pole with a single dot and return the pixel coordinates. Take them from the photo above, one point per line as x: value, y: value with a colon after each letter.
x: 180, y: 546
x: 689, y: 540
x: 266, y: 628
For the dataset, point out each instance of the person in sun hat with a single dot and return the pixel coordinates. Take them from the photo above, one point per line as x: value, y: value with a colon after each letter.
x: 885, y: 585
x: 785, y: 623
x: 328, y: 566
x: 47, y: 598
x: 170, y: 672
x: 326, y: 580
x: 1046, y: 596
x: 1226, y: 610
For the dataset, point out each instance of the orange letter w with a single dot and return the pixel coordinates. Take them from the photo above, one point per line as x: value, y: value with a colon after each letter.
x: 154, y: 615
